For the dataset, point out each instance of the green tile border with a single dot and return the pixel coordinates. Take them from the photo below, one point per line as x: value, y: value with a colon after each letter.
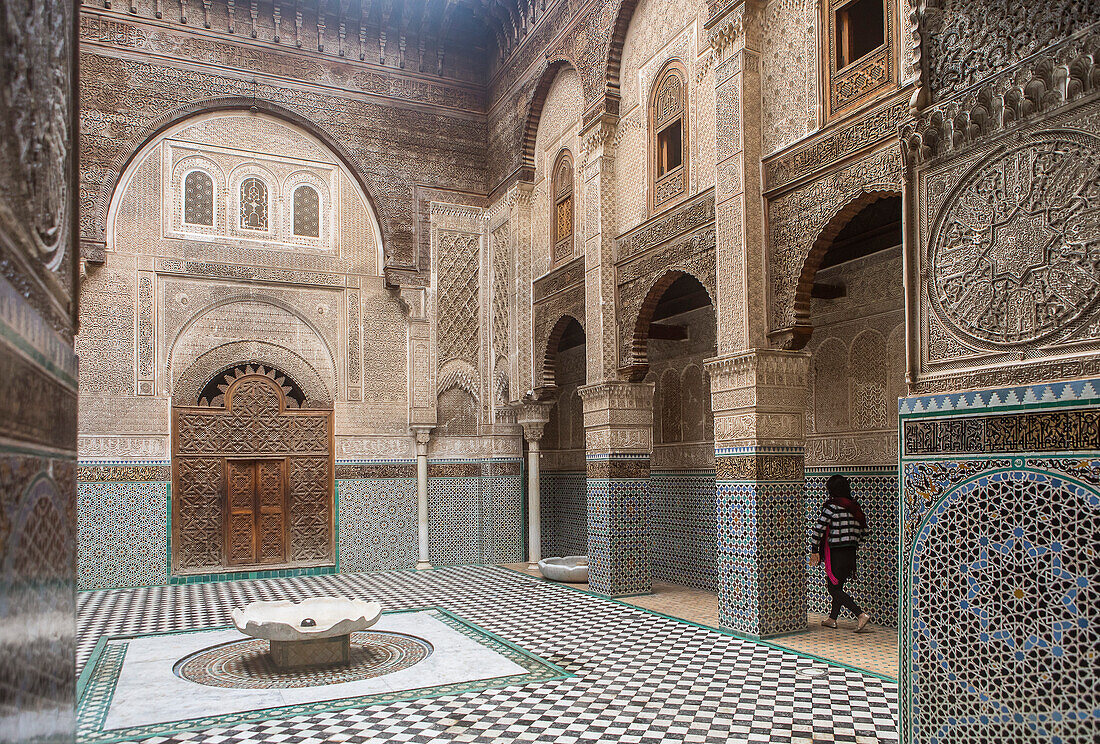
x: 96, y: 686
x: 723, y: 631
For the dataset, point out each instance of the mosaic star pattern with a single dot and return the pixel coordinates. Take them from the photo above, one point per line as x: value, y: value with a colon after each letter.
x: 246, y: 664
x: 1008, y: 598
x: 639, y: 676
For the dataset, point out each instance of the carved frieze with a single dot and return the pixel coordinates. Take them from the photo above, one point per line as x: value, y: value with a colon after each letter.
x: 838, y: 144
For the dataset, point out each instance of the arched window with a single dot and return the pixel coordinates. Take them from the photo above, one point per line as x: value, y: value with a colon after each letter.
x: 563, y: 207
x: 198, y: 199
x: 307, y: 212
x: 668, y: 136
x: 253, y: 204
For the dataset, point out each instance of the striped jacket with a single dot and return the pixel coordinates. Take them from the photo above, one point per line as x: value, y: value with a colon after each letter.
x: 844, y: 530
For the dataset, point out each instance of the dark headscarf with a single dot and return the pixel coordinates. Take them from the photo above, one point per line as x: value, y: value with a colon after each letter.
x: 840, y: 493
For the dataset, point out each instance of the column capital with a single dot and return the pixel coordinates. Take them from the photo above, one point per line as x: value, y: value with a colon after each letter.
x: 618, y: 417
x: 532, y: 415
x: 759, y: 397
x: 422, y: 434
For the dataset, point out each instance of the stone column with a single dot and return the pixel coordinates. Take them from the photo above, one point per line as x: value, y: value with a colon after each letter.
x: 598, y: 169
x: 618, y: 423
x: 533, y: 417
x: 739, y: 216
x: 423, y: 434
x: 759, y: 398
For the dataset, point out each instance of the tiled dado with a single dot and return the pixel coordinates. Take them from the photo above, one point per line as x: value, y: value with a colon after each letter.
x: 761, y: 540
x: 376, y: 519
x: 475, y: 511
x: 682, y: 531
x: 564, y: 513
x: 875, y: 584
x: 618, y: 514
x: 1000, y: 508
x: 122, y: 517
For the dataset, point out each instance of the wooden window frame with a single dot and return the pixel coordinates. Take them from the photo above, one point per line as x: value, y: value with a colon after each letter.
x: 672, y: 187
x: 562, y: 245
x: 865, y: 80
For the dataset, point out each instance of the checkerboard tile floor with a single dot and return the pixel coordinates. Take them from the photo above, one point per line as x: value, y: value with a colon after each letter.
x: 640, y: 677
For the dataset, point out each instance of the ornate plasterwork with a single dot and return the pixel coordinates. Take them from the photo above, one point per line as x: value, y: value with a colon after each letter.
x: 968, y: 41
x: 618, y: 417
x: 1013, y: 256
x: 459, y: 302
x: 680, y: 241
x: 185, y: 391
x: 828, y: 149
x: 1008, y: 252
x: 1011, y: 99
x: 37, y: 136
x: 759, y: 398
x: 798, y: 217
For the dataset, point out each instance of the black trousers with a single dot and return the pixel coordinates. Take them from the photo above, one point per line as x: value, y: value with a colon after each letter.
x: 843, y: 562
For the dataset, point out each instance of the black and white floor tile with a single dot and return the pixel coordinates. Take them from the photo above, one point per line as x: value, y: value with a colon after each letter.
x: 640, y: 677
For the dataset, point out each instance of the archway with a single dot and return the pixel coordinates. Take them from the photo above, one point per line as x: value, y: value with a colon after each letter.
x: 679, y: 330
x: 563, y: 484
x: 853, y: 315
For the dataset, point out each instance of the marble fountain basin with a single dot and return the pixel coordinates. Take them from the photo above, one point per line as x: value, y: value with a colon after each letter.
x: 572, y: 569
x: 313, y: 632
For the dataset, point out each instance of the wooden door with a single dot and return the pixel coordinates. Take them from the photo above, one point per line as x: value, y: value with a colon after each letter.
x: 256, y: 508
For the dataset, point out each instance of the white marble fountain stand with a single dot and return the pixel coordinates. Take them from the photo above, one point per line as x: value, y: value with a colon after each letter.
x: 326, y: 641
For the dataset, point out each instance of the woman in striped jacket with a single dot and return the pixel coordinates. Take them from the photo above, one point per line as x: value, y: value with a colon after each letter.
x: 835, y: 537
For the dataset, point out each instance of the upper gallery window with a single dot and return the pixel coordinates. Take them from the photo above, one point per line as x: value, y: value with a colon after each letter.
x: 307, y: 212
x: 563, y: 207
x: 198, y: 199
x: 668, y: 136
x: 860, y: 30
x: 253, y: 204
x: 858, y: 58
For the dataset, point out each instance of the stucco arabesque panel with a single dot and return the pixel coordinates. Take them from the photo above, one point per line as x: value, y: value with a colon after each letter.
x: 795, y: 220
x: 185, y: 300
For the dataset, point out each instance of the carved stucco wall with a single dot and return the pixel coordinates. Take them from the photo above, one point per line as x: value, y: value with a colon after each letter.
x: 558, y: 128
x: 661, y: 30
x: 789, y: 70
x: 683, y: 425
x: 38, y: 296
x: 173, y: 301
x: 138, y: 76
x: 798, y: 217
x: 1011, y: 282
x: 857, y: 370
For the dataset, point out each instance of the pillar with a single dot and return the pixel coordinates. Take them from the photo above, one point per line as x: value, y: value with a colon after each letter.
x: 423, y: 435
x: 618, y: 424
x: 759, y: 399
x: 532, y: 416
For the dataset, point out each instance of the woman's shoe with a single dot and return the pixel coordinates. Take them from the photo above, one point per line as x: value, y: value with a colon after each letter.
x: 828, y: 623
x: 863, y: 620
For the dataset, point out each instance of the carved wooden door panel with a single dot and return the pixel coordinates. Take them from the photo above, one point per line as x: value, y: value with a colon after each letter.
x: 252, y: 480
x: 270, y: 512
x: 240, y: 538
x: 255, y: 532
